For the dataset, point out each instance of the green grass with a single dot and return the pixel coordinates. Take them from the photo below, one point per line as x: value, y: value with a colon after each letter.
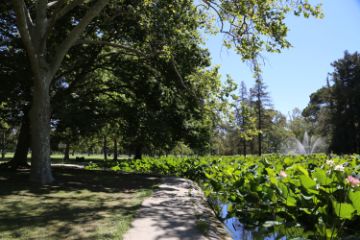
x: 58, y: 158
x: 80, y: 205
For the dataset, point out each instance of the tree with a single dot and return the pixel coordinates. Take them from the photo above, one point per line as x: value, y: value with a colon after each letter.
x: 247, y: 21
x: 245, y: 119
x: 34, y: 34
x: 334, y: 108
x: 277, y: 133
x: 15, y: 89
x: 260, y: 100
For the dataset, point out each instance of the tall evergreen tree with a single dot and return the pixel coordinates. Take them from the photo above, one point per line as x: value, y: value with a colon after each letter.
x: 245, y: 118
x: 261, y: 100
x: 335, y: 108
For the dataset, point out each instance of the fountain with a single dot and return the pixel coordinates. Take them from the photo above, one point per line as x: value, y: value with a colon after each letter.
x: 309, y: 145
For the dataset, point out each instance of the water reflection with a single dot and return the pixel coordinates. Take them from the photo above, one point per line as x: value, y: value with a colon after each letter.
x: 238, y: 231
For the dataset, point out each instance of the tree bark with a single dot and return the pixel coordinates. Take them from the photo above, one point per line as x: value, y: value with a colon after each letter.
x: 3, y: 145
x: 244, y: 147
x: 115, y: 149
x: 22, y: 147
x: 105, y: 148
x: 67, y: 152
x: 40, y: 131
x: 138, y: 152
x: 259, y: 126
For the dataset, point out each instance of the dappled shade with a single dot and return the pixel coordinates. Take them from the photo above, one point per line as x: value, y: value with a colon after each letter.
x: 81, y: 204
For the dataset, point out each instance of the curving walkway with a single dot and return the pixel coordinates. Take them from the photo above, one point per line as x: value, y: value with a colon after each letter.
x: 177, y: 210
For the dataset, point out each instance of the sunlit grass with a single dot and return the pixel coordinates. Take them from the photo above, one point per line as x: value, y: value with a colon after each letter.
x: 58, y: 157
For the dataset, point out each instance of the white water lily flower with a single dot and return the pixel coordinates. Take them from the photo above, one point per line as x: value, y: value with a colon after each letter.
x: 339, y: 168
x: 331, y: 163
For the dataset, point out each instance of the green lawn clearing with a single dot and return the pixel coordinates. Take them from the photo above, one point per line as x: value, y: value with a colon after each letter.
x: 80, y: 205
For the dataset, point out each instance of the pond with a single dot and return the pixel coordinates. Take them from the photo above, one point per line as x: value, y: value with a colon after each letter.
x: 238, y: 231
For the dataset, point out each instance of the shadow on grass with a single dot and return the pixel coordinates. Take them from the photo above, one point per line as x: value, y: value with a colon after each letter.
x: 79, y: 205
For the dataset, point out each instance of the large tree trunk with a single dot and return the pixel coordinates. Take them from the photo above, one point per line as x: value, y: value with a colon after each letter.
x: 40, y: 131
x: 115, y: 149
x: 34, y: 36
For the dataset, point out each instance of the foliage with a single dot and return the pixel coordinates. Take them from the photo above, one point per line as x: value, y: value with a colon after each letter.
x: 311, y: 196
x: 334, y: 109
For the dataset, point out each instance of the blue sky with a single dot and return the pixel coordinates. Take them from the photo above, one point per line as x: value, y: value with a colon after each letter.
x: 299, y: 71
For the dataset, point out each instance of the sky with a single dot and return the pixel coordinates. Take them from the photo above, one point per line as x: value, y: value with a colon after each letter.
x: 294, y: 74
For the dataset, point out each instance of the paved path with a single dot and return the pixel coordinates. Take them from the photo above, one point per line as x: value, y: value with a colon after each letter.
x: 177, y: 210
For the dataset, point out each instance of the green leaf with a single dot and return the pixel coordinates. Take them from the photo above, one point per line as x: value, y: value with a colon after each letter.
x: 303, y: 170
x: 288, y: 161
x: 343, y: 210
x: 355, y: 199
x: 291, y: 201
x: 283, y: 189
x: 321, y: 176
x: 307, y: 182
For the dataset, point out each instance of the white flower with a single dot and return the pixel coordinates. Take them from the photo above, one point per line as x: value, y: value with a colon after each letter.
x: 339, y: 168
x: 331, y: 163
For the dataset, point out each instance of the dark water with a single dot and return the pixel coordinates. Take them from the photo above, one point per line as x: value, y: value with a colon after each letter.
x: 238, y: 231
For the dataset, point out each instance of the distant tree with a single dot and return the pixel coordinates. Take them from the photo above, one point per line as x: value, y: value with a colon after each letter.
x: 298, y: 124
x: 260, y: 100
x: 277, y: 134
x: 345, y: 104
x: 245, y: 118
x: 318, y: 113
x: 334, y: 110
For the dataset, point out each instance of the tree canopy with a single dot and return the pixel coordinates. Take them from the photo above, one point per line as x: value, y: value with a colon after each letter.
x: 142, y: 58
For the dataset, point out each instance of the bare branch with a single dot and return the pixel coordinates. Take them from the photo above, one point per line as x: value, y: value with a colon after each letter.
x: 111, y: 44
x: 29, y: 19
x: 54, y: 3
x: 61, y: 11
x: 74, y: 35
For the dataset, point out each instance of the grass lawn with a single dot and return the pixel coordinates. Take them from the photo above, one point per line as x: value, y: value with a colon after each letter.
x: 80, y: 205
x: 58, y: 157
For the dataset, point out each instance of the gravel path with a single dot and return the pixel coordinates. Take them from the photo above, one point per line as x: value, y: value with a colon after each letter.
x: 176, y: 210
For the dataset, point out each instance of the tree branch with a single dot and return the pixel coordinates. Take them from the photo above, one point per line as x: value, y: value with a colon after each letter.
x: 22, y: 14
x: 60, y: 12
x: 74, y: 35
x: 41, y: 23
x: 111, y: 44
